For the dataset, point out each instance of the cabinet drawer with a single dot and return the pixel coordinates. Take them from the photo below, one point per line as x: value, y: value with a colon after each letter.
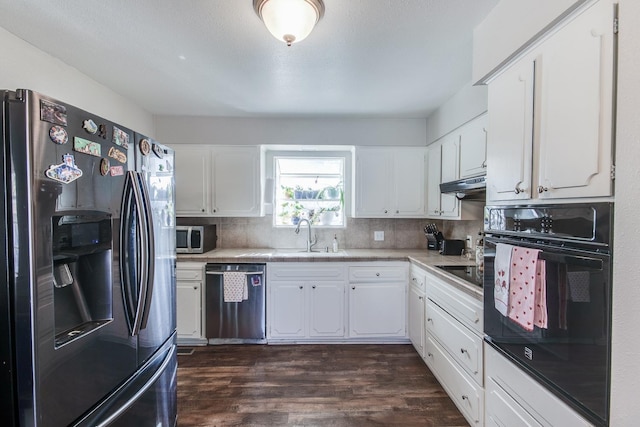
x: 464, y: 346
x: 465, y: 393
x: 305, y: 271
x: 417, y: 278
x: 377, y: 274
x: 541, y: 404
x: 503, y: 411
x: 189, y: 272
x: 463, y: 307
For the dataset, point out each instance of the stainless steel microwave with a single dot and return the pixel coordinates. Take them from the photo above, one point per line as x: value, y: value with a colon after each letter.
x: 195, y: 239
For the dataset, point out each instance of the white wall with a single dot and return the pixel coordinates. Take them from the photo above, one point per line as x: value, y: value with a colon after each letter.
x: 468, y: 103
x: 509, y: 26
x: 625, y: 366
x: 25, y: 67
x: 321, y: 131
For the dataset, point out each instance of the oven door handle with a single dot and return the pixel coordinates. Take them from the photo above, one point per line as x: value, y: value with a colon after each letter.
x: 592, y: 263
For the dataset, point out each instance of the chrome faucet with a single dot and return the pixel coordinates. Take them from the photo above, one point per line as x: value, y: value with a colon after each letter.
x: 310, y: 242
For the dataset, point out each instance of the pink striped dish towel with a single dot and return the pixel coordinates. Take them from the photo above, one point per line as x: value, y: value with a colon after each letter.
x: 501, y: 268
x: 235, y: 286
x: 527, y: 289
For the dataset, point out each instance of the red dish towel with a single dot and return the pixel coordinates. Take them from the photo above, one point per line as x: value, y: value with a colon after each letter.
x: 528, y: 290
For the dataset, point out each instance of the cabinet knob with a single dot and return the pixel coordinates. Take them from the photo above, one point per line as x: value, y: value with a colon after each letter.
x: 463, y: 351
x: 542, y: 189
x: 429, y: 319
x: 195, y: 287
x: 436, y: 211
x: 386, y: 211
x: 202, y: 210
x: 301, y: 286
x: 419, y: 298
x: 377, y: 274
x: 353, y: 287
x: 484, y: 164
x: 465, y: 397
x: 430, y: 354
x: 518, y: 190
x: 397, y: 211
x: 313, y: 287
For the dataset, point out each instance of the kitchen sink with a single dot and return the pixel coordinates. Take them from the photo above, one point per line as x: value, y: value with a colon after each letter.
x: 301, y: 253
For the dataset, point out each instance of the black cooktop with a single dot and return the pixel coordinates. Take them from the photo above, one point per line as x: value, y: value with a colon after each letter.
x: 468, y: 273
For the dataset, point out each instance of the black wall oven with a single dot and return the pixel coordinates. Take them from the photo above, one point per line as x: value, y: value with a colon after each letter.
x: 570, y: 353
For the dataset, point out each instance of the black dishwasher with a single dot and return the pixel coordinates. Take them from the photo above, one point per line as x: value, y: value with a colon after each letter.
x: 235, y: 303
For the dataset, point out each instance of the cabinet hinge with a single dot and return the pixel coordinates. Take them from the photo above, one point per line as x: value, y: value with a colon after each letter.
x: 616, y: 25
x: 613, y: 172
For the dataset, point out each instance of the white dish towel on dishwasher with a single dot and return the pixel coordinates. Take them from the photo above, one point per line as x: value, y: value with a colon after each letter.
x: 235, y: 286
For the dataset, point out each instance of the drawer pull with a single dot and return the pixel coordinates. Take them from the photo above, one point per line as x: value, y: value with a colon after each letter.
x: 429, y: 319
x: 377, y: 274
x: 463, y: 351
x: 420, y: 298
x: 465, y: 397
x: 430, y: 354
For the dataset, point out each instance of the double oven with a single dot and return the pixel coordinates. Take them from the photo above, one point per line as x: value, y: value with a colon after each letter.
x: 570, y: 354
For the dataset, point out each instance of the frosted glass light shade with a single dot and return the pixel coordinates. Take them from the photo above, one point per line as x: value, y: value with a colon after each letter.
x: 289, y: 20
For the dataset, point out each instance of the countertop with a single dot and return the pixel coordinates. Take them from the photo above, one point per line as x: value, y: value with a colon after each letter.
x: 420, y: 257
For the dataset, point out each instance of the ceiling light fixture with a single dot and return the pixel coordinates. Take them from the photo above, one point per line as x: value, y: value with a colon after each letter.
x: 289, y: 20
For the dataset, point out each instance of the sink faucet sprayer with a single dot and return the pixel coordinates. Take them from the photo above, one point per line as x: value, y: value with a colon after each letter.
x: 310, y: 242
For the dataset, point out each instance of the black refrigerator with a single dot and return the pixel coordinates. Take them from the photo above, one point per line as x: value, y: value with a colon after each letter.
x: 87, y: 307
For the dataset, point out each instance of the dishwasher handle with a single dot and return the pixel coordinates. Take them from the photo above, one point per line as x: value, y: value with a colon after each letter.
x: 247, y: 273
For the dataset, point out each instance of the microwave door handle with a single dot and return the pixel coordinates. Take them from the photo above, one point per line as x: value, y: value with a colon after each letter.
x: 148, y: 248
x: 189, y: 239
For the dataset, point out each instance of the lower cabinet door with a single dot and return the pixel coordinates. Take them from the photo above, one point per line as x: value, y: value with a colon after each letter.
x: 188, y: 309
x: 377, y: 310
x: 465, y: 393
x: 287, y: 310
x: 326, y: 309
x: 417, y: 319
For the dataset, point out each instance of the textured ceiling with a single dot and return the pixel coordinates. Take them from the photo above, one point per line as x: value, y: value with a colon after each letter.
x: 365, y: 58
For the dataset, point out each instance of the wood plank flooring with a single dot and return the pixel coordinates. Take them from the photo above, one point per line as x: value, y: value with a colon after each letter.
x: 310, y: 385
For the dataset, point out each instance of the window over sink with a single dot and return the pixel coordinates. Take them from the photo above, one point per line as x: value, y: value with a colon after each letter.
x: 309, y: 185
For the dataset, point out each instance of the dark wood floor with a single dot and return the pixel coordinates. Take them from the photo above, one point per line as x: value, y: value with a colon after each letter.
x: 310, y: 385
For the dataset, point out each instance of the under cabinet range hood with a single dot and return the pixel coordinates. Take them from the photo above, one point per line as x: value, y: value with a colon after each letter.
x: 467, y: 188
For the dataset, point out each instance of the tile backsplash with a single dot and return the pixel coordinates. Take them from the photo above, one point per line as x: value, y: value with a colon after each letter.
x: 358, y: 234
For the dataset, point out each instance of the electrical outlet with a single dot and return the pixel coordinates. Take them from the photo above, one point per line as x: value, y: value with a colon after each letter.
x: 378, y: 236
x: 469, y: 241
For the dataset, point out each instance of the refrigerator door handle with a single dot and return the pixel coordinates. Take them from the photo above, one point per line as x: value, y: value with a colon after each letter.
x: 148, y: 247
x: 130, y: 290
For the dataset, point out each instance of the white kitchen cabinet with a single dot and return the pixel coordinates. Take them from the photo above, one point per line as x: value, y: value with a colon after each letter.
x: 306, y: 301
x: 514, y: 398
x: 377, y: 301
x: 218, y: 180
x: 389, y: 182
x: 236, y: 181
x: 473, y: 147
x: 454, y: 350
x: 192, y: 179
x: 443, y: 166
x: 189, y: 303
x: 551, y: 115
x: 416, y: 307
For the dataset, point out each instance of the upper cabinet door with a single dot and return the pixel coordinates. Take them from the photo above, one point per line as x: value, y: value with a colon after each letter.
x: 409, y: 181
x: 473, y: 147
x: 192, y: 179
x: 510, y: 133
x: 372, y: 183
x: 434, y: 164
x: 575, y: 81
x: 236, y: 181
x: 449, y: 204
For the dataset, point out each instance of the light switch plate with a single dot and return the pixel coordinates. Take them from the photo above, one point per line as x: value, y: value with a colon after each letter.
x: 378, y: 236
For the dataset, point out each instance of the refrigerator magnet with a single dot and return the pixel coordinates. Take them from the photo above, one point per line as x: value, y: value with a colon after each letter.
x: 85, y: 146
x: 120, y: 138
x: 102, y: 131
x: 157, y: 150
x: 58, y: 134
x: 105, y: 166
x: 90, y: 126
x: 66, y: 172
x: 117, y: 170
x: 118, y: 155
x: 53, y: 113
x: 145, y: 147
